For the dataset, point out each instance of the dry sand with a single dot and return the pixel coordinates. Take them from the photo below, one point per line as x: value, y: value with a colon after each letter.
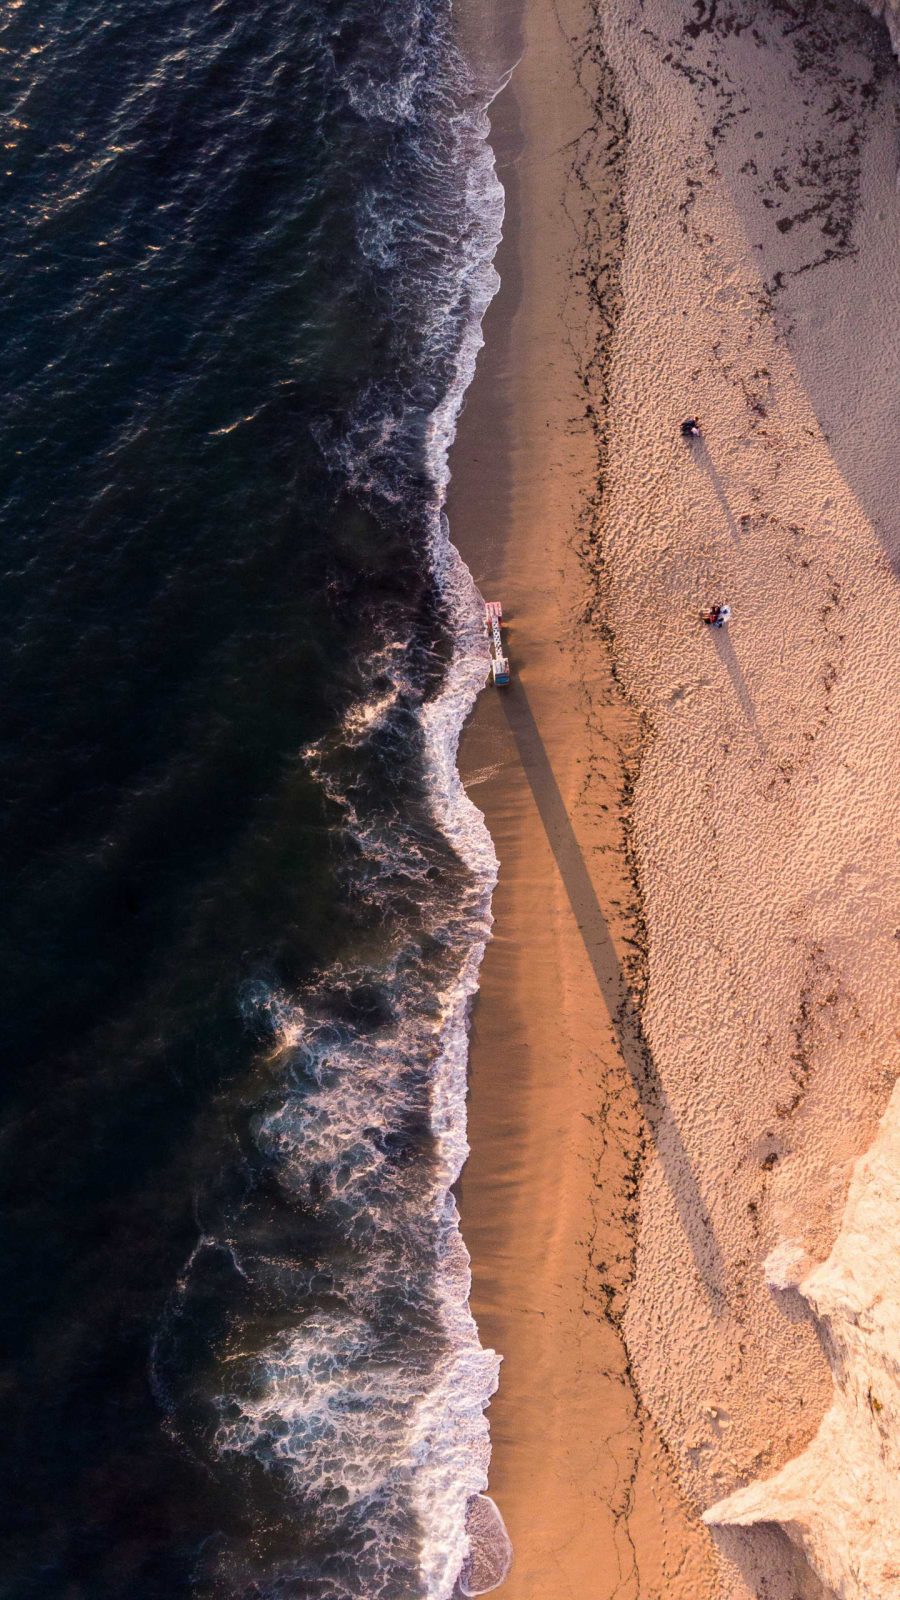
x: 648, y: 1369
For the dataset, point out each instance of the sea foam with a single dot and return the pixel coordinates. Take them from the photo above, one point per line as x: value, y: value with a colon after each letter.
x: 367, y: 1419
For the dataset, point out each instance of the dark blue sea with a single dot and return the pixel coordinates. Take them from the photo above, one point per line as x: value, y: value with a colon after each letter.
x: 246, y: 249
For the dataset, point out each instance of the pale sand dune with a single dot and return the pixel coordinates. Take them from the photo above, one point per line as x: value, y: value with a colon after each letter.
x: 765, y: 815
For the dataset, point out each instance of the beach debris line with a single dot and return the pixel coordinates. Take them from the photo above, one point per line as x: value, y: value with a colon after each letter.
x: 717, y: 616
x: 493, y: 616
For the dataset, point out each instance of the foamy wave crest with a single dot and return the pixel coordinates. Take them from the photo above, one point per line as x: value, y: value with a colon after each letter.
x: 446, y: 1494
x: 330, y: 1409
x: 390, y: 96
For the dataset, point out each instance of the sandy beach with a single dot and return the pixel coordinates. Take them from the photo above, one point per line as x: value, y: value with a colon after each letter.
x: 686, y: 1031
x: 548, y: 1194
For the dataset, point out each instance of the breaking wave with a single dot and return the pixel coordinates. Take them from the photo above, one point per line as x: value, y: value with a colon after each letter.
x: 367, y: 1397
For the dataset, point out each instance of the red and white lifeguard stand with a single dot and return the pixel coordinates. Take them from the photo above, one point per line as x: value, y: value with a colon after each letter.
x: 493, y: 616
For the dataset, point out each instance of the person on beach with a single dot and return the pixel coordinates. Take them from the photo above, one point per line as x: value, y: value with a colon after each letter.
x: 690, y: 429
x: 717, y: 616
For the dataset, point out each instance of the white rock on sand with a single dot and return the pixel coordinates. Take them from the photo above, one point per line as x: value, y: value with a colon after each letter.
x: 839, y: 1500
x: 786, y: 1265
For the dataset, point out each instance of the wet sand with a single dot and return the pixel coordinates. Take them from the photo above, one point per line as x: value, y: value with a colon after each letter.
x: 548, y: 1193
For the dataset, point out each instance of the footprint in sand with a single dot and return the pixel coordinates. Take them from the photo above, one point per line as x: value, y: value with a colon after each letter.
x: 685, y: 691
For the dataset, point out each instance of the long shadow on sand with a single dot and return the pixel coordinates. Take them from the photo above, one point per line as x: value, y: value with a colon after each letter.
x: 704, y: 459
x: 725, y: 650
x: 601, y: 952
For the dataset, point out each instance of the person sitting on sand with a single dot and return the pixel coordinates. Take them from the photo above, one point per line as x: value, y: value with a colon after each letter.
x: 690, y: 429
x: 717, y: 616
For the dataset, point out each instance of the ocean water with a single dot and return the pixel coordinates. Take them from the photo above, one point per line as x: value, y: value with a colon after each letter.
x: 246, y: 252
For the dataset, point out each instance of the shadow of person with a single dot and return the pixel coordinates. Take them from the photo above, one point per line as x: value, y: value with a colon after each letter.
x: 704, y: 456
x: 611, y: 982
x: 725, y: 650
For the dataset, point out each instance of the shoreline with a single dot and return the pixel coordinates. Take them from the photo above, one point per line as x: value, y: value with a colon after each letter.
x: 547, y: 1194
